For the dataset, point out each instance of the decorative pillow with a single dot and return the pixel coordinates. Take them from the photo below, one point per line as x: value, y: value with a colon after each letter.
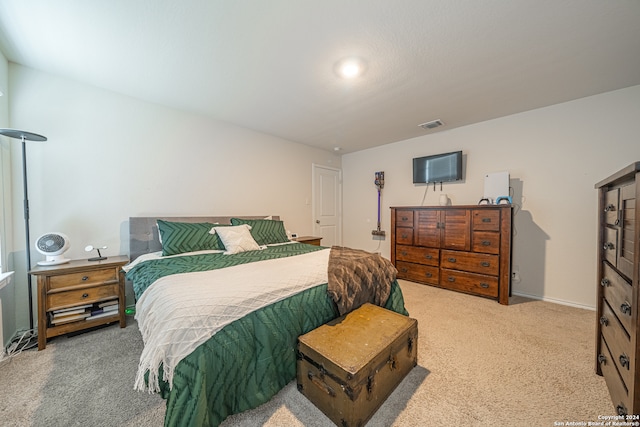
x: 236, y: 239
x: 181, y: 237
x: 264, y: 231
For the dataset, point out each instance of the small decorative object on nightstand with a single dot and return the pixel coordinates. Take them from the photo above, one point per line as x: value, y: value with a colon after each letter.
x: 309, y: 240
x: 79, y: 295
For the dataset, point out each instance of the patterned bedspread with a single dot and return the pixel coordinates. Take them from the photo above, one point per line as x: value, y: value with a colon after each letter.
x: 248, y: 361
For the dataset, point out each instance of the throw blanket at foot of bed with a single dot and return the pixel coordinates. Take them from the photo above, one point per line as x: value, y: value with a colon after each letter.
x: 357, y: 277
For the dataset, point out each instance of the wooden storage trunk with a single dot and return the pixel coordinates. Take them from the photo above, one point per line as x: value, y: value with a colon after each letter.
x: 349, y: 366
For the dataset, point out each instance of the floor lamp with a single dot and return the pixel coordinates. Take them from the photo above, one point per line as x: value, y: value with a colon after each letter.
x: 25, y: 136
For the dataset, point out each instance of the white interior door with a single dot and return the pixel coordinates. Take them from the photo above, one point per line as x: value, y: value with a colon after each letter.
x: 327, y: 205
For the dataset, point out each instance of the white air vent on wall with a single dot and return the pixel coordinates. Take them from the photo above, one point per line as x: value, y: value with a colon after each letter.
x: 432, y: 124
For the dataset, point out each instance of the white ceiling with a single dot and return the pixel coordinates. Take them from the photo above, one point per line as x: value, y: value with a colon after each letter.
x: 268, y: 65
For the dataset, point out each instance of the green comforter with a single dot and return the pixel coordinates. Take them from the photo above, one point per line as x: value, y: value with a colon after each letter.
x: 250, y: 360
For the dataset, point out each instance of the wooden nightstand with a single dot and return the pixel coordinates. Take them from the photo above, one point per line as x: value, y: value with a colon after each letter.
x: 309, y: 240
x: 76, y: 296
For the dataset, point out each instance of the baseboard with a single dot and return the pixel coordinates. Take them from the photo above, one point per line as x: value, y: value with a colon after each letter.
x: 556, y: 301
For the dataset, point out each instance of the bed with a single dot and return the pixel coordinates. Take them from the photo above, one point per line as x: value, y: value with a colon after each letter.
x: 241, y: 361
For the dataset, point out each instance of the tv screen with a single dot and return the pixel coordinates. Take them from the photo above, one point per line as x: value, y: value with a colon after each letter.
x: 438, y: 168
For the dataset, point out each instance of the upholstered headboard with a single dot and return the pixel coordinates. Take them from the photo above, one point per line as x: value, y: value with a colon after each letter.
x: 144, y: 236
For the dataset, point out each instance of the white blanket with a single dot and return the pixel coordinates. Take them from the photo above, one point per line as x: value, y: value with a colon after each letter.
x: 177, y: 313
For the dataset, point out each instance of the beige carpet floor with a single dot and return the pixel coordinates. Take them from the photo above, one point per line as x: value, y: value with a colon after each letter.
x: 479, y: 364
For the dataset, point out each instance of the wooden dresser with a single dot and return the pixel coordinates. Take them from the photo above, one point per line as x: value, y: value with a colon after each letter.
x: 462, y: 248
x: 75, y: 296
x: 617, y: 351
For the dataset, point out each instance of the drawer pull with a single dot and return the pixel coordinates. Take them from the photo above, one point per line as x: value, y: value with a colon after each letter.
x: 428, y: 274
x: 404, y: 218
x: 484, y: 285
x: 621, y: 409
x: 602, y: 359
x: 428, y: 256
x: 608, y: 246
x: 405, y: 236
x: 609, y: 208
x: 403, y: 253
x: 486, y: 243
x: 486, y: 219
x: 85, y: 295
x: 625, y: 308
x: 85, y: 278
x: 452, y: 259
x: 485, y: 264
x: 403, y: 269
x: 605, y: 282
x: 624, y: 361
x: 451, y: 279
x: 604, y: 321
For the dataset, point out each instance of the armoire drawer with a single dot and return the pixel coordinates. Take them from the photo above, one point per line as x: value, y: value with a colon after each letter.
x: 404, y: 218
x: 619, y: 295
x: 477, y: 284
x: 418, y: 272
x: 473, y: 262
x: 487, y: 220
x: 618, y: 343
x: 419, y: 255
x: 404, y: 235
x: 617, y: 389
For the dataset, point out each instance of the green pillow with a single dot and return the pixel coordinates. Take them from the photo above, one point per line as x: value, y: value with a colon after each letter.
x: 264, y: 231
x: 181, y: 237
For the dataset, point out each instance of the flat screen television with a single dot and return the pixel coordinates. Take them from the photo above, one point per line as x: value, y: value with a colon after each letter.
x: 438, y: 168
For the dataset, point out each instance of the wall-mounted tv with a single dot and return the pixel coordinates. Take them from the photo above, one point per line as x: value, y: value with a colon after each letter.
x: 438, y: 168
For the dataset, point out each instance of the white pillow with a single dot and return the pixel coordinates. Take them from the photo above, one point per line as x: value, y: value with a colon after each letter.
x: 236, y: 238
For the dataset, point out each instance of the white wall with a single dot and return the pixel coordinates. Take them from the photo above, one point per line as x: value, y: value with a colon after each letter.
x: 109, y: 157
x: 554, y: 155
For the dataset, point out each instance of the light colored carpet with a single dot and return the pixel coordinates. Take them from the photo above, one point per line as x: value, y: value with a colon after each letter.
x: 479, y: 364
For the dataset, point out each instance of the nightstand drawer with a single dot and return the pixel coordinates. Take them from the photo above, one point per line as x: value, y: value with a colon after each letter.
x: 58, y: 300
x: 82, y: 279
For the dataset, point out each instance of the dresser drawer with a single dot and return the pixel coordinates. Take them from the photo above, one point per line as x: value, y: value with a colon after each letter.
x: 618, y: 343
x: 486, y: 219
x: 469, y: 282
x: 83, y: 279
x: 611, y: 207
x: 473, y: 262
x: 486, y: 241
x: 404, y: 236
x: 418, y: 272
x: 58, y: 300
x: 610, y: 244
x: 427, y: 256
x: 617, y: 389
x: 404, y: 218
x: 619, y: 295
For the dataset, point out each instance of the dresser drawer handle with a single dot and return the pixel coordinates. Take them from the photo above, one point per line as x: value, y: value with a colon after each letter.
x: 403, y: 269
x: 403, y: 253
x: 485, y: 264
x: 405, y: 236
x: 404, y: 218
x: 604, y: 321
x: 608, y: 246
x: 486, y: 243
x: 624, y: 361
x: 625, y: 308
x: 428, y: 256
x: 609, y: 208
x: 602, y: 359
x: 428, y: 274
x: 486, y: 219
x: 452, y: 259
x: 605, y: 282
x: 85, y: 278
x: 621, y: 409
x: 484, y: 285
x: 85, y: 295
x: 451, y: 279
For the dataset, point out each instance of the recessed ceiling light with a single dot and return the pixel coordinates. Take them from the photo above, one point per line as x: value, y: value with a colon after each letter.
x: 432, y: 124
x: 350, y: 68
x: 337, y: 148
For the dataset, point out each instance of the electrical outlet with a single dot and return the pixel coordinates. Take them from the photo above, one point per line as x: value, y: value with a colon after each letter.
x: 515, y: 277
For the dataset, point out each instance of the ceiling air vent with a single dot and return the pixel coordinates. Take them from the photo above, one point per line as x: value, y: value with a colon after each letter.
x: 432, y: 124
